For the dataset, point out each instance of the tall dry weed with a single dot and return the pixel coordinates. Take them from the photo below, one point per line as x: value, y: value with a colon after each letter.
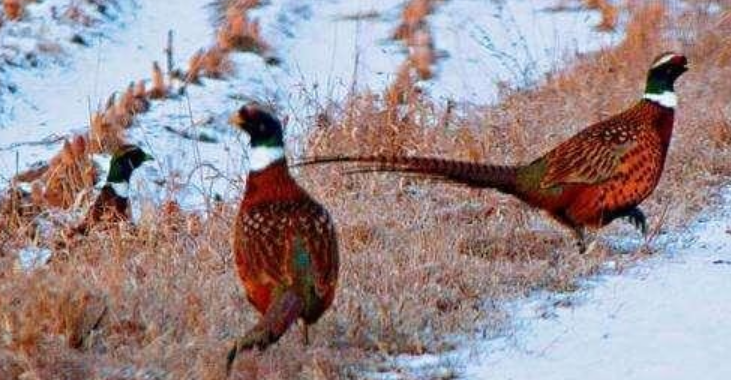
x: 420, y: 261
x: 14, y: 9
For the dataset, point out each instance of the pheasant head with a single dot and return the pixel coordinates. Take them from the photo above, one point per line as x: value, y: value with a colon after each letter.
x: 124, y: 161
x: 661, y: 77
x: 265, y: 133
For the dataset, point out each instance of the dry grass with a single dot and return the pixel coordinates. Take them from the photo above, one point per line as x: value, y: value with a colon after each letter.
x: 14, y: 9
x: 58, y: 184
x: 236, y: 31
x: 414, y: 31
x: 240, y: 33
x: 609, y: 12
x: 413, y: 16
x: 213, y: 63
x: 419, y: 261
x: 159, y: 89
x: 69, y: 174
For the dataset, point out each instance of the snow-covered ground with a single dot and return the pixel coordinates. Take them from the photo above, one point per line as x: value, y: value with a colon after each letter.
x: 509, y: 42
x: 667, y: 318
x: 326, y: 47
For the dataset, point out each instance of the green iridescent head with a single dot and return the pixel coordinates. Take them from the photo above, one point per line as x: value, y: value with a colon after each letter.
x: 125, y: 160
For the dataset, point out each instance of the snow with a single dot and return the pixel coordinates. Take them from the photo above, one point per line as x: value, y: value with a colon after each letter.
x: 57, y: 99
x: 666, y: 318
x: 325, y: 53
x: 509, y: 43
x: 30, y: 258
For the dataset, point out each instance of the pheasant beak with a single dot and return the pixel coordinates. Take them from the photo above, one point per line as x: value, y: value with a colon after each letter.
x: 148, y: 157
x: 236, y: 120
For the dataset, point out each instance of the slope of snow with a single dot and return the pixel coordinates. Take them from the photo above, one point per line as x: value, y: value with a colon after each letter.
x: 513, y: 43
x: 326, y: 48
x: 667, y: 318
x: 57, y: 100
x: 42, y: 41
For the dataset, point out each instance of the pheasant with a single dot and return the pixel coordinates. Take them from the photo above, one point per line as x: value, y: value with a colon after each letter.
x: 600, y: 174
x: 284, y: 242
x: 112, y: 205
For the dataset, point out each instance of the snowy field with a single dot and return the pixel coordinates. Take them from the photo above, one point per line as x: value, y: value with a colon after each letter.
x: 324, y: 50
x: 667, y: 318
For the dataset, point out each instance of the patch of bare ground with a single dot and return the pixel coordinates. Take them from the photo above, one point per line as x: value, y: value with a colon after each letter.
x: 420, y: 262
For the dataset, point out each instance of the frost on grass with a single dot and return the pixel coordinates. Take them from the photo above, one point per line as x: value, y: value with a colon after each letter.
x: 30, y: 258
x: 162, y: 299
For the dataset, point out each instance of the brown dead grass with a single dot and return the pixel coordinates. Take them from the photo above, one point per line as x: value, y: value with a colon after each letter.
x: 419, y: 261
x: 415, y: 32
x: 609, y: 12
x: 14, y: 9
x: 159, y: 89
x: 69, y: 174
x: 236, y: 31
x: 215, y: 63
x: 240, y: 33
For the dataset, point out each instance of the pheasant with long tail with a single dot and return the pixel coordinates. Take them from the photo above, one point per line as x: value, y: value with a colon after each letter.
x: 600, y: 174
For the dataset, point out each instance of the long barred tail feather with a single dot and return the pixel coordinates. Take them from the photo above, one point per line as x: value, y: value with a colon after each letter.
x: 466, y: 173
x: 282, y: 313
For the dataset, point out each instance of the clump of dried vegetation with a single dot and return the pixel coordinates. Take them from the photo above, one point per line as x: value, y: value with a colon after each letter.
x: 240, y: 33
x: 14, y: 9
x: 419, y: 261
x: 609, y: 12
x: 414, y: 31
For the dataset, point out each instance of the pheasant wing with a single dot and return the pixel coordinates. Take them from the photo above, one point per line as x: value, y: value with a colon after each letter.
x: 294, y: 239
x: 590, y: 157
x: 263, y: 243
x: 316, y: 246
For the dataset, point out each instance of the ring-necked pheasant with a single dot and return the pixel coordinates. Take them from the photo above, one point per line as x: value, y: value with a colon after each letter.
x: 284, y: 242
x: 598, y: 175
x: 112, y: 204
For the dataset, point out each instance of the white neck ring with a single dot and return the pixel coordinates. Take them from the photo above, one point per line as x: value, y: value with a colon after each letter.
x: 263, y: 156
x: 120, y: 188
x: 667, y: 99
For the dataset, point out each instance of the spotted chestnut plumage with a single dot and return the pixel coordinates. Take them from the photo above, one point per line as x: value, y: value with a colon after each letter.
x: 111, y: 205
x: 602, y: 173
x: 284, y: 242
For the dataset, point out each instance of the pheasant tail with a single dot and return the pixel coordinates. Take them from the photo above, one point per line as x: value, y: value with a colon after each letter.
x: 502, y: 178
x: 282, y: 313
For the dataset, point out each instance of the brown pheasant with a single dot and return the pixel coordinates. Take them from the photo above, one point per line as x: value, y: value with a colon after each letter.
x: 602, y: 173
x: 112, y: 205
x: 284, y: 242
